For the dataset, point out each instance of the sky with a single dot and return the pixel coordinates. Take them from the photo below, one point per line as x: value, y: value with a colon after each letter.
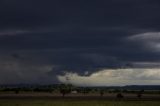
x: 82, y: 42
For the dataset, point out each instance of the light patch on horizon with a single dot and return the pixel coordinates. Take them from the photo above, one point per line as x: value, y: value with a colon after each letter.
x: 114, y: 77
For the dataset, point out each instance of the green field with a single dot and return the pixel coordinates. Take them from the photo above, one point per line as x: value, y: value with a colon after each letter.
x: 49, y: 102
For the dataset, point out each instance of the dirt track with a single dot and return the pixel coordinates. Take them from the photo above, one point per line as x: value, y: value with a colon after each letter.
x: 127, y: 97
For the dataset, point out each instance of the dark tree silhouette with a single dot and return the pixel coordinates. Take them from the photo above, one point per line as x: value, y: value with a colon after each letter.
x: 65, y: 89
x: 120, y: 96
x: 101, y: 93
x: 17, y: 91
x: 139, y: 95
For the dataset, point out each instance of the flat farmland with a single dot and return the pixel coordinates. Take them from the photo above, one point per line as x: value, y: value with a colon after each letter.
x: 74, y: 102
x: 80, y: 96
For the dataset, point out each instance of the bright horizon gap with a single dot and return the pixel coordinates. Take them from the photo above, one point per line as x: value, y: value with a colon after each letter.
x: 114, y: 77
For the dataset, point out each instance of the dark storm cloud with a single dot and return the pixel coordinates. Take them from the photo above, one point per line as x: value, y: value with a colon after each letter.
x: 77, y: 36
x: 29, y: 13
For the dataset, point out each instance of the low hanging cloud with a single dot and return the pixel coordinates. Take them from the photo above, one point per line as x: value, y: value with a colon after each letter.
x: 114, y: 77
x: 16, y: 70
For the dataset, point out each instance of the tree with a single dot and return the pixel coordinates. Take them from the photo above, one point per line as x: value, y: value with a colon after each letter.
x: 101, y: 93
x: 17, y: 91
x: 139, y: 95
x: 65, y: 89
x: 119, y: 96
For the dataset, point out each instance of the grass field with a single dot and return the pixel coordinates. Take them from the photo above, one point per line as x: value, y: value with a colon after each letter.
x: 48, y: 99
x: 63, y: 102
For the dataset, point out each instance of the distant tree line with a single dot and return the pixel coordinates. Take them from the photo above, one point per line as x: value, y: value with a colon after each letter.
x: 65, y: 89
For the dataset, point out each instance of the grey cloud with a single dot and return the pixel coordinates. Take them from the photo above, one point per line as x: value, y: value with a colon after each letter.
x: 18, y: 71
x: 78, y: 36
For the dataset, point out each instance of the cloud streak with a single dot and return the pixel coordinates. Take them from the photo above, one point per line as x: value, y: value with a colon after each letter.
x: 149, y: 40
